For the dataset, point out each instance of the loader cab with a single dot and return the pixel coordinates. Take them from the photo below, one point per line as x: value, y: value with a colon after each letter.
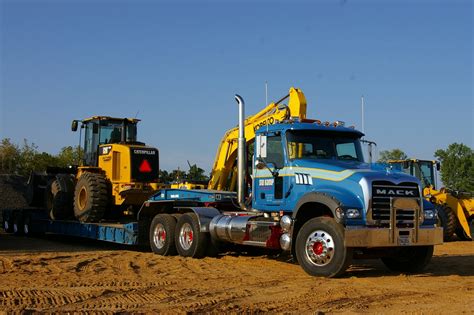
x: 424, y: 170
x: 102, y: 130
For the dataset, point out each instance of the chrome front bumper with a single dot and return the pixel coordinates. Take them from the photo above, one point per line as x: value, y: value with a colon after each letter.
x: 387, y: 237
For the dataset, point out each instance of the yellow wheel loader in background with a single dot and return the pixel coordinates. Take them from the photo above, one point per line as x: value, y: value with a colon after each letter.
x: 455, y: 209
x: 116, y: 176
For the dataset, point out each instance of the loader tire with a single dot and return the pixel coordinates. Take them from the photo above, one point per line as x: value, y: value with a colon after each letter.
x: 91, y: 197
x: 60, y: 197
x: 448, y: 221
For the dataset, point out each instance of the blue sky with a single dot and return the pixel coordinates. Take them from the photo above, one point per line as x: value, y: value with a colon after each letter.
x: 178, y: 64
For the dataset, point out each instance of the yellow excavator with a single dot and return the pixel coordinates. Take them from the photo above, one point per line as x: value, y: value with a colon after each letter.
x: 224, y: 171
x: 455, y: 209
x: 116, y: 175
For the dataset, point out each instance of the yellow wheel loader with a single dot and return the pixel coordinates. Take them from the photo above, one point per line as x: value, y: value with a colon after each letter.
x: 455, y: 209
x: 116, y: 176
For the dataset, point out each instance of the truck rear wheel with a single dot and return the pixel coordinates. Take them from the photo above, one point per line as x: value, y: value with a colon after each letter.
x: 189, y: 240
x: 90, y: 197
x: 162, y: 238
x: 409, y: 259
x: 320, y: 248
x: 448, y: 221
x: 59, y: 197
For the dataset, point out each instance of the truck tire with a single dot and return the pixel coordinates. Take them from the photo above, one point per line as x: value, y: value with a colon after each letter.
x: 409, y: 259
x: 91, y: 197
x: 447, y: 220
x: 161, y: 234
x: 60, y: 197
x: 189, y: 240
x: 320, y: 248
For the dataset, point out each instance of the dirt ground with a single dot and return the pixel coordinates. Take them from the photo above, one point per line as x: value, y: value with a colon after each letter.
x: 57, y: 274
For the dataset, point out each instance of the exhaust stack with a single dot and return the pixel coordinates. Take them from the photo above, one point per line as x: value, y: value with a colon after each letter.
x: 241, y: 156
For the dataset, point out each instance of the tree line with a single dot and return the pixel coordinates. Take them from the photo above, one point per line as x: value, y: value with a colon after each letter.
x: 25, y: 158
x: 457, y: 163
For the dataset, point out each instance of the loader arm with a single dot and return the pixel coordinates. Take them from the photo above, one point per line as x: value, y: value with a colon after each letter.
x: 226, y: 155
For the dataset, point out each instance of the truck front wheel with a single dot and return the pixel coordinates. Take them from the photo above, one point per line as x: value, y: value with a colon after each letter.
x: 320, y: 248
x: 162, y: 234
x: 189, y: 240
x: 409, y: 259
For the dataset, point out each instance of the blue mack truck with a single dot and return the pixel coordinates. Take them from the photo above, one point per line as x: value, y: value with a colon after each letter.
x: 311, y: 194
x: 308, y: 192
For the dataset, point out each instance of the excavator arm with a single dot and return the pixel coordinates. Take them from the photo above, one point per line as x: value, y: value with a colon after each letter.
x: 223, y: 175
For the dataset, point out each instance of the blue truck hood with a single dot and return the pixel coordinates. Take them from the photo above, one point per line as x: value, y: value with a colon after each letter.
x: 352, y: 170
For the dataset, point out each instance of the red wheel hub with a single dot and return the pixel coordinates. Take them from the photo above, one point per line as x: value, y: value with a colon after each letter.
x: 190, y: 236
x: 162, y: 235
x: 318, y: 248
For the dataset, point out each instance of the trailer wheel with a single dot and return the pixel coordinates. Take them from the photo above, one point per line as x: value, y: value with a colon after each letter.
x: 320, y: 248
x: 7, y: 224
x: 448, y: 220
x: 18, y: 223
x: 189, y: 240
x: 59, y: 197
x: 162, y: 231
x: 27, y: 225
x: 90, y: 197
x: 409, y: 259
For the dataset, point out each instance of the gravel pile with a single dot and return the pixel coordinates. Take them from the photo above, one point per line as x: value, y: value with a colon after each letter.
x: 12, y: 192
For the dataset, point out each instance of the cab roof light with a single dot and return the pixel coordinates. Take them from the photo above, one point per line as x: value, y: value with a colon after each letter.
x: 327, y: 123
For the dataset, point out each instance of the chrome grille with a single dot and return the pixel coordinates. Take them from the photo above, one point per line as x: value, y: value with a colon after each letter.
x: 383, y: 193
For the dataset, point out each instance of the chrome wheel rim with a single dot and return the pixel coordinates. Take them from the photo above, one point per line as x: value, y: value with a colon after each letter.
x: 159, y: 236
x: 320, y: 248
x: 186, y: 236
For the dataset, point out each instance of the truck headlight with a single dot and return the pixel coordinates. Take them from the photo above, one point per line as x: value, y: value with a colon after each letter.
x: 353, y: 214
x: 430, y: 214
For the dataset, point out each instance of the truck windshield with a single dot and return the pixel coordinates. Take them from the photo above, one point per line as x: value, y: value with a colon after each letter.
x: 317, y: 144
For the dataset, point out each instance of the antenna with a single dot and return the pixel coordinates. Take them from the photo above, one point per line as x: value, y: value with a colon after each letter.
x: 136, y: 115
x: 266, y: 93
x: 362, y: 109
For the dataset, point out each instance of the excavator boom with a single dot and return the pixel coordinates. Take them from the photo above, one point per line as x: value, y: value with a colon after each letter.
x: 223, y: 176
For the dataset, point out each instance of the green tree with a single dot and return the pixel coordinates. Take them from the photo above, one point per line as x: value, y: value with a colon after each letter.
x: 457, y: 167
x: 196, y: 173
x: 70, y: 156
x: 9, y: 156
x: 27, y: 161
x: 395, y: 154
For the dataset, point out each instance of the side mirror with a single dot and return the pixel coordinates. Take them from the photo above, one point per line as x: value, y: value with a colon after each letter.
x: 438, y: 166
x: 260, y: 164
x: 74, y: 125
x: 261, y: 146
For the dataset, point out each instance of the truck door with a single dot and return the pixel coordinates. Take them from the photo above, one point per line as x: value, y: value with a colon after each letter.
x: 269, y: 189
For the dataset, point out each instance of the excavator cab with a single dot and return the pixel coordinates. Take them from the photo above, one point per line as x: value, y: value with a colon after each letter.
x: 101, y: 130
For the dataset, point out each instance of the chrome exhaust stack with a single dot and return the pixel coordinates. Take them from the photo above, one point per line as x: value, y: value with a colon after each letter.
x: 241, y: 156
